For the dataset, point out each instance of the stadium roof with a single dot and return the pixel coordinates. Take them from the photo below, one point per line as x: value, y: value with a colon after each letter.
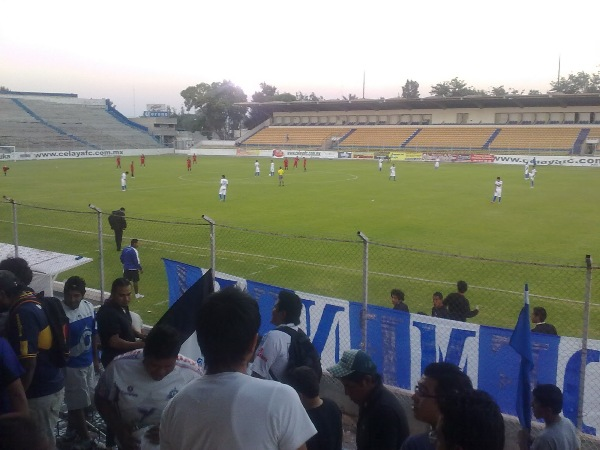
x: 469, y: 101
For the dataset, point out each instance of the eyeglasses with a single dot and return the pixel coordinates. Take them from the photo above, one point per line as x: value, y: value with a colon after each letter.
x: 419, y: 390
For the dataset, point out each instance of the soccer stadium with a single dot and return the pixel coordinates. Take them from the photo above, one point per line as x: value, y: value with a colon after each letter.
x: 342, y: 232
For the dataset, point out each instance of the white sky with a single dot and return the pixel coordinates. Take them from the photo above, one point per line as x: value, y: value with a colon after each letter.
x: 137, y: 52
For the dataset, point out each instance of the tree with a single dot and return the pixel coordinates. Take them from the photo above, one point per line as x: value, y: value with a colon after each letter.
x: 216, y: 101
x: 350, y: 97
x: 410, y: 89
x: 312, y: 97
x: 4, y: 89
x: 579, y: 83
x: 534, y: 92
x: 454, y: 88
x: 498, y: 91
x: 256, y: 115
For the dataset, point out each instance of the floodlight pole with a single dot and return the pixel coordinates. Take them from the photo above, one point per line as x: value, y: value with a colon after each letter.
x: 15, y: 227
x: 584, y: 339
x: 100, y: 250
x: 213, y: 245
x: 364, y: 315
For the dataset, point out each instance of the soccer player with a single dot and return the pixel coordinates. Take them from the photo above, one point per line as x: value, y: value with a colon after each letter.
x: 285, y: 164
x: 272, y: 169
x: 118, y: 162
x: 280, y: 173
x: 194, y: 159
x: 5, y: 169
x: 296, y: 162
x: 526, y: 170
x: 380, y: 164
x: 143, y: 160
x: 124, y: 181
x: 189, y: 164
x: 223, y: 188
x: 304, y: 163
x: 532, y: 176
x: 498, y: 190
x: 393, y: 172
x: 256, y: 168
x: 131, y: 167
x: 437, y: 163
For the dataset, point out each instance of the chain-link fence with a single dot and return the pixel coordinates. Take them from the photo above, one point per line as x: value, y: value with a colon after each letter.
x: 358, y: 270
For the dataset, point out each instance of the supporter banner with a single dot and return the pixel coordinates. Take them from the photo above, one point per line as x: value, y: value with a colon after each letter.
x: 482, y: 158
x: 363, y: 155
x: 402, y: 345
x: 568, y: 161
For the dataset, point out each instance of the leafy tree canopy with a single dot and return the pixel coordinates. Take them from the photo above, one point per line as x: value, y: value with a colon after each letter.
x: 410, y: 89
x: 256, y: 115
x: 215, y: 102
x: 579, y: 83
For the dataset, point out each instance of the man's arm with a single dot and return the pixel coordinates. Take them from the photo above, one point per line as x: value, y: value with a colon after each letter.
x: 29, y: 366
x: 17, y: 400
x: 121, y: 344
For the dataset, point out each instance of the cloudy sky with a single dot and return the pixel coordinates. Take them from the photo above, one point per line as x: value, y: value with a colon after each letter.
x: 138, y: 52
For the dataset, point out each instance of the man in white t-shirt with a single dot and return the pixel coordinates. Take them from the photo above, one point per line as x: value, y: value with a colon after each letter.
x: 497, y: 190
x: 526, y: 170
x: 124, y: 181
x: 227, y: 409
x: 437, y: 163
x: 136, y: 386
x: 393, y: 172
x: 272, y: 169
x: 223, y: 188
x: 380, y: 163
x: 271, y: 357
x: 256, y: 168
x: 532, y: 176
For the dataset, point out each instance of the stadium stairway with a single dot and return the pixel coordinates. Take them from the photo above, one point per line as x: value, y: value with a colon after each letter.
x: 581, y: 137
x: 410, y: 138
x: 487, y: 144
x: 340, y: 140
x: 51, y: 126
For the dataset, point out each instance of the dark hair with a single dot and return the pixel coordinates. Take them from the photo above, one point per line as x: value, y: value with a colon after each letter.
x: 118, y: 283
x: 162, y: 342
x: 540, y: 312
x: 226, y: 324
x: 462, y: 286
x: 291, y: 304
x: 74, y: 283
x: 22, y: 433
x: 398, y: 293
x: 472, y: 421
x: 19, y: 267
x: 305, y: 381
x: 134, y: 241
x: 549, y: 396
x: 450, y: 379
x: 439, y: 295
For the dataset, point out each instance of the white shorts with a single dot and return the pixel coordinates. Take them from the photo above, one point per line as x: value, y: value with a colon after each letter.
x: 80, y: 383
x: 498, y: 193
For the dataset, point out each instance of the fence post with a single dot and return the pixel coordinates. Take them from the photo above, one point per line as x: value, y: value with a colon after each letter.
x: 364, y: 315
x: 213, y: 244
x: 100, y: 250
x: 15, y: 227
x: 584, y: 339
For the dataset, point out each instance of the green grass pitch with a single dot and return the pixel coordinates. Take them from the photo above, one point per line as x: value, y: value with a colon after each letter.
x: 304, y: 235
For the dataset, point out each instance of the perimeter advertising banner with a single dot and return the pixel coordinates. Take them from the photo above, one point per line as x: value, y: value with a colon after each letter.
x: 402, y: 345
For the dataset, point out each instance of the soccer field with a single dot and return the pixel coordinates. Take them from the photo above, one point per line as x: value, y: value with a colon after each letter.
x: 304, y: 235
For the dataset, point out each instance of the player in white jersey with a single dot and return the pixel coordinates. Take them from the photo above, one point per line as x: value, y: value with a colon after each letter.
x: 393, y: 172
x: 272, y: 169
x: 527, y: 170
x: 498, y: 190
x: 256, y: 168
x: 124, y: 181
x: 380, y: 163
x: 223, y: 188
x: 437, y: 163
x: 532, y: 176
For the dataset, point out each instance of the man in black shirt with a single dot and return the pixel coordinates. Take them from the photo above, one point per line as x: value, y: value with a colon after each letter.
x: 538, y: 317
x: 438, y: 309
x: 324, y: 413
x: 397, y: 297
x: 117, y: 223
x: 382, y: 424
x: 117, y: 335
x: 458, y: 305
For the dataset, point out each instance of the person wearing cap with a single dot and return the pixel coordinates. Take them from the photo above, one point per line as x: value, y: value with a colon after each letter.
x: 28, y: 333
x: 271, y: 358
x: 382, y: 424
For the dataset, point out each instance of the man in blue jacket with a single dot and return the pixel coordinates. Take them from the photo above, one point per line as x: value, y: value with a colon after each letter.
x: 132, y: 268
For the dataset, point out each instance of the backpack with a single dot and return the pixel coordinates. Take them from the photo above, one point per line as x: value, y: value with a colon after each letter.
x: 59, y: 328
x: 301, y: 352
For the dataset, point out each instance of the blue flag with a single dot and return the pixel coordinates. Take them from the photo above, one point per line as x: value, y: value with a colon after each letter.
x: 180, y: 277
x: 521, y: 342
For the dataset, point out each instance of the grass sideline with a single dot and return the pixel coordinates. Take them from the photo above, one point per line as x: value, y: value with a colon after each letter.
x: 444, y: 211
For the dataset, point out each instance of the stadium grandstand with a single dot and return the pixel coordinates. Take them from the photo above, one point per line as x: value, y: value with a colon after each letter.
x: 553, y: 124
x: 46, y: 121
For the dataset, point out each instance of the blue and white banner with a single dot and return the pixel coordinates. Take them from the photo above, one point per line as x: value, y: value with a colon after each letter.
x: 402, y: 345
